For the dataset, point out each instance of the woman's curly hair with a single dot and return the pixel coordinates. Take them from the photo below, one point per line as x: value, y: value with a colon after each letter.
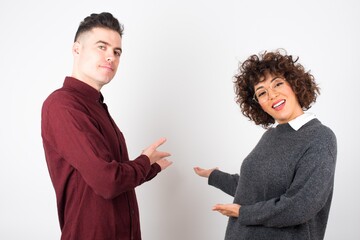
x: 254, y: 69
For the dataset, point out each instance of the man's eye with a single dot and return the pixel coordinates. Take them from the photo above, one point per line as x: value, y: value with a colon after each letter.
x: 102, y: 47
x: 117, y: 53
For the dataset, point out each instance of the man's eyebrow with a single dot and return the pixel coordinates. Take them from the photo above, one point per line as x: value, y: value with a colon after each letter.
x: 108, y: 44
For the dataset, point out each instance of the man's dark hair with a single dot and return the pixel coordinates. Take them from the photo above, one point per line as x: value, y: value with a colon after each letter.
x: 101, y: 20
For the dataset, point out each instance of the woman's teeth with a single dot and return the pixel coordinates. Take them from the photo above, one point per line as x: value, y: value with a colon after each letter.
x: 278, y: 104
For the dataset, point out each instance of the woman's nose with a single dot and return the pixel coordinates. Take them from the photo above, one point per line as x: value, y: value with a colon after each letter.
x: 272, y: 94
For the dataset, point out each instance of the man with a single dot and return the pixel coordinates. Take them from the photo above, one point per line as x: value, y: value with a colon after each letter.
x: 86, y: 153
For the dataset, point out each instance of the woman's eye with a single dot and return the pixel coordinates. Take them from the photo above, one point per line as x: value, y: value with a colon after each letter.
x: 260, y: 94
x: 278, y: 84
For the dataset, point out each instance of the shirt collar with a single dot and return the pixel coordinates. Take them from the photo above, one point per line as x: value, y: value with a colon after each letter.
x: 301, y: 120
x: 85, y: 89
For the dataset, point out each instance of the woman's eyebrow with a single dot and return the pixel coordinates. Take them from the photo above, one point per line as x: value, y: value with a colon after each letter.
x: 270, y: 82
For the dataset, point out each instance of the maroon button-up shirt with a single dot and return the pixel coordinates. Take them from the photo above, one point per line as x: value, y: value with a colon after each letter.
x: 89, y: 166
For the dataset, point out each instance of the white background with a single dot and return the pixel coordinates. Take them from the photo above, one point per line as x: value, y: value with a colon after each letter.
x: 174, y: 80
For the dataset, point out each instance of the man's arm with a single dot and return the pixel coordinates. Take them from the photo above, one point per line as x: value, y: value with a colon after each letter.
x: 74, y: 135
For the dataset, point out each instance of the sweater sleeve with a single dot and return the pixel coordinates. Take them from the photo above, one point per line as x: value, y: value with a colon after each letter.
x: 71, y: 134
x: 309, y: 192
x: 224, y: 181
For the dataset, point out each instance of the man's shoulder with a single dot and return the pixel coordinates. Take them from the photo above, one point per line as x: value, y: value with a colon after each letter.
x: 62, y: 97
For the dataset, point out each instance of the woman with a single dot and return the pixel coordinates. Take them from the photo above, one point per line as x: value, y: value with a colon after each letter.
x: 285, y: 185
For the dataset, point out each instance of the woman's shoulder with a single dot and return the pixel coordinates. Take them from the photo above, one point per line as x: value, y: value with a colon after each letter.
x: 316, y: 127
x: 320, y: 135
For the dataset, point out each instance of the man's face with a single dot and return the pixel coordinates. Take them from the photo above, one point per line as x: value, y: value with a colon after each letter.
x: 97, y: 56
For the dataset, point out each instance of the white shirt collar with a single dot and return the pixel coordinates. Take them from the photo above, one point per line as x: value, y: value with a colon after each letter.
x: 301, y: 120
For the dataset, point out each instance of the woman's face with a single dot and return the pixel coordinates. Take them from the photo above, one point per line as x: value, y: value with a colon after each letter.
x: 276, y: 97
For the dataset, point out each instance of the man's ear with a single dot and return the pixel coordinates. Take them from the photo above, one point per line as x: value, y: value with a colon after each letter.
x: 76, y: 48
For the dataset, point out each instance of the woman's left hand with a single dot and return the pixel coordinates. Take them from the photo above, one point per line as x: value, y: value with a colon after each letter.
x: 230, y: 210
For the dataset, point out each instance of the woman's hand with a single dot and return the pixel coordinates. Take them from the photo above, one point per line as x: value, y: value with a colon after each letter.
x: 230, y: 210
x: 203, y: 172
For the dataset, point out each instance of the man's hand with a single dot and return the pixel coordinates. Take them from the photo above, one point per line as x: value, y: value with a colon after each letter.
x: 164, y: 163
x: 203, y: 172
x: 230, y: 210
x: 156, y: 156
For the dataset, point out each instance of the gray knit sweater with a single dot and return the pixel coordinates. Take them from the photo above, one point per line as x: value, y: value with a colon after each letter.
x: 285, y: 185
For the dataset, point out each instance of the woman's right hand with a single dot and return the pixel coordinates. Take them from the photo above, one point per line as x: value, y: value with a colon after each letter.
x: 204, y: 172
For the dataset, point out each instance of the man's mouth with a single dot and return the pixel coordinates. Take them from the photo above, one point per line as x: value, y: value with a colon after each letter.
x: 107, y: 67
x: 278, y: 104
